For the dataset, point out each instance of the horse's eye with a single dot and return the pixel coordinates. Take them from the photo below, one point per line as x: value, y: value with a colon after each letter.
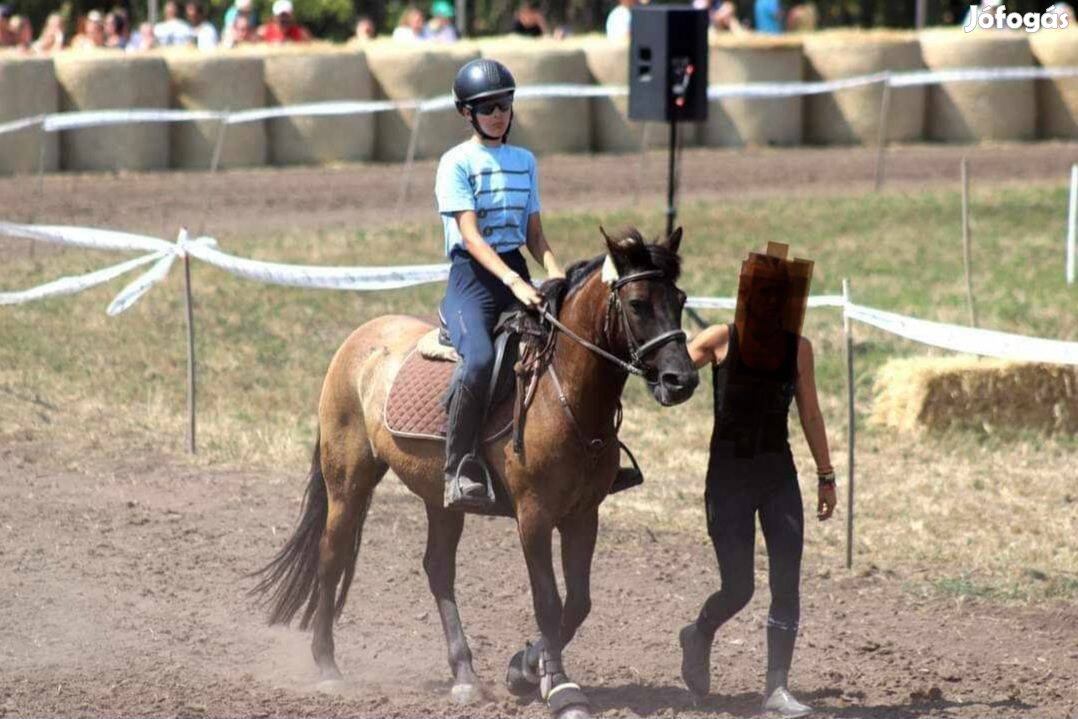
x: 640, y: 307
x: 681, y: 297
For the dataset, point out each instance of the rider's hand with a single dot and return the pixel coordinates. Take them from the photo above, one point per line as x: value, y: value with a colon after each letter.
x: 524, y: 292
x: 825, y: 506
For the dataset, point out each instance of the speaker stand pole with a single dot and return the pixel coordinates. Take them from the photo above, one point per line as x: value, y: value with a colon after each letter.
x: 671, y: 181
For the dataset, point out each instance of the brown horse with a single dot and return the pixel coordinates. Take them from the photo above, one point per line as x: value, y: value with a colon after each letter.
x: 606, y: 330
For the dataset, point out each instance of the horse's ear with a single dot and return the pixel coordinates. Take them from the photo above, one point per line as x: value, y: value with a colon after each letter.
x: 673, y: 242
x: 616, y: 251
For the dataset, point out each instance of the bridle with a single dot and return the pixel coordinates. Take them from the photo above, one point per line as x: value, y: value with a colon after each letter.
x: 637, y: 351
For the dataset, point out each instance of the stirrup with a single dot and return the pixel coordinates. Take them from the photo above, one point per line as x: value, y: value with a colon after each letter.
x: 455, y: 499
x: 627, y: 477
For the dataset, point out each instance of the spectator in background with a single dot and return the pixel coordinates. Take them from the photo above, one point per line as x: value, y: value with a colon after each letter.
x: 283, y: 27
x: 529, y: 22
x: 441, y: 27
x: 22, y: 31
x: 768, y: 16
x: 412, y: 26
x: 802, y: 17
x: 7, y: 38
x: 117, y: 33
x: 242, y: 32
x: 619, y: 20
x: 724, y: 19
x: 52, y: 35
x: 1063, y: 9
x: 92, y: 35
x: 365, y: 30
x: 244, y: 7
x: 143, y: 39
x: 203, y: 32
x: 173, y: 30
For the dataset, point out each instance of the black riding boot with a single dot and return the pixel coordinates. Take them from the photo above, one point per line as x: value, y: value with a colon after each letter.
x: 467, y: 480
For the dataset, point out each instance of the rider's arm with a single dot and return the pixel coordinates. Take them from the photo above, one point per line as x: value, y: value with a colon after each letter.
x: 709, y: 345
x: 540, y: 249
x: 808, y: 407
x: 485, y: 255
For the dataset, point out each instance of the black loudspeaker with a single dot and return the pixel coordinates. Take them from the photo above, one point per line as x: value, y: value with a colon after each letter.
x: 668, y: 64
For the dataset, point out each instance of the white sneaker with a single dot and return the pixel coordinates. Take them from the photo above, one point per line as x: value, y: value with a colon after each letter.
x: 783, y: 703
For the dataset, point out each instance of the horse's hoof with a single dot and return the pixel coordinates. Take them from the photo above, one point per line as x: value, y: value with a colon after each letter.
x: 333, y: 686
x: 516, y: 681
x: 574, y: 712
x: 465, y: 694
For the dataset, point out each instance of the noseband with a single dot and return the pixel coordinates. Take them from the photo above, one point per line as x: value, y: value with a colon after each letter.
x: 637, y: 351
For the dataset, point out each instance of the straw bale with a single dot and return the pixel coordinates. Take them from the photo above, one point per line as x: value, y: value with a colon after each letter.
x: 1057, y: 100
x: 324, y: 74
x: 405, y: 72
x: 754, y: 121
x: 612, y: 130
x: 972, y: 111
x: 105, y: 81
x: 932, y: 393
x: 27, y: 88
x: 852, y: 116
x: 216, y: 81
x: 546, y: 125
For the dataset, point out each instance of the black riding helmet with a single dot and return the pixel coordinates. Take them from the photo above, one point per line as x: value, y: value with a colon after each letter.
x: 479, y: 80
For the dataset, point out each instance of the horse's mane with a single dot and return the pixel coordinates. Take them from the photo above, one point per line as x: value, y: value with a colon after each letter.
x: 642, y: 256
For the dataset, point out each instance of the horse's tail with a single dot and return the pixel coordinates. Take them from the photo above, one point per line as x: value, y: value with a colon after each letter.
x: 291, y: 578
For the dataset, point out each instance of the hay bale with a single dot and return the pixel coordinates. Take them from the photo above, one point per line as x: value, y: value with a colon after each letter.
x: 973, y: 111
x: 929, y: 393
x: 612, y: 130
x: 546, y: 125
x: 852, y: 116
x: 27, y: 88
x: 1057, y: 100
x: 216, y: 81
x: 405, y: 72
x: 108, y: 81
x: 754, y: 121
x: 299, y: 76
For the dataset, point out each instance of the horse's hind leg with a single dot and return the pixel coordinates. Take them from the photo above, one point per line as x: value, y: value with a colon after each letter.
x: 351, y: 473
x: 444, y: 528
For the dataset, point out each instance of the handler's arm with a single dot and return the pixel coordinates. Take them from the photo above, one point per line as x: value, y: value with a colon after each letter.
x: 808, y: 407
x: 485, y: 255
x: 540, y: 249
x: 709, y: 345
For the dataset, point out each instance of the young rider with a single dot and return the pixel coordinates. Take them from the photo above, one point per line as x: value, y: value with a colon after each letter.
x: 488, y: 196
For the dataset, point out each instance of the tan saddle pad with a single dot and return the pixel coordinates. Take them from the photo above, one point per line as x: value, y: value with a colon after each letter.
x: 414, y: 403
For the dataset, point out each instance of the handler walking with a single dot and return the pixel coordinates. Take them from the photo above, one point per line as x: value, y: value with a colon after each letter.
x: 760, y: 364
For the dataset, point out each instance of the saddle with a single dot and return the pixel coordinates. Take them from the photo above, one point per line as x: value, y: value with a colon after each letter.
x: 416, y: 404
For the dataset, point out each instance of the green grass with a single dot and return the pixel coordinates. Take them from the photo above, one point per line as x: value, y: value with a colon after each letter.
x: 956, y: 502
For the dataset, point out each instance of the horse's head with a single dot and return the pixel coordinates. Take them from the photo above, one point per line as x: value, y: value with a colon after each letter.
x: 644, y: 317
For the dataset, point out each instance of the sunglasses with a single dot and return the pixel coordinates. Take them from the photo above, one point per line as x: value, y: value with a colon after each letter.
x: 488, y: 107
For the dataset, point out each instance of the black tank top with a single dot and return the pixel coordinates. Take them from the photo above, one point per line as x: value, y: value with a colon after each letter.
x: 751, y: 406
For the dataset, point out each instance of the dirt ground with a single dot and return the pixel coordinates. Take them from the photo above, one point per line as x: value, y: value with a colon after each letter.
x: 357, y: 196
x: 123, y: 569
x: 124, y: 595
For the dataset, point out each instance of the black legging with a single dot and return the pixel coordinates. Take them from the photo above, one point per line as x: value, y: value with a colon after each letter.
x: 736, y: 490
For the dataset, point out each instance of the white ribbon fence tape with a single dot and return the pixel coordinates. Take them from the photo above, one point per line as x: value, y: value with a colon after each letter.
x: 162, y: 254
x: 987, y: 343
x: 76, y: 120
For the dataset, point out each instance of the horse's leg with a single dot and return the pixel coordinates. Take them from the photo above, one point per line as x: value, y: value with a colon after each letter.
x: 351, y: 473
x: 444, y: 528
x: 563, y: 697
x: 578, y: 535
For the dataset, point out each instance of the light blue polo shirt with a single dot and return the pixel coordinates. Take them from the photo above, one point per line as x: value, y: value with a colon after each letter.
x: 501, y: 184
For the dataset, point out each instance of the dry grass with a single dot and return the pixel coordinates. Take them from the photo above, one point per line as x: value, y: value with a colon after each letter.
x: 961, y: 512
